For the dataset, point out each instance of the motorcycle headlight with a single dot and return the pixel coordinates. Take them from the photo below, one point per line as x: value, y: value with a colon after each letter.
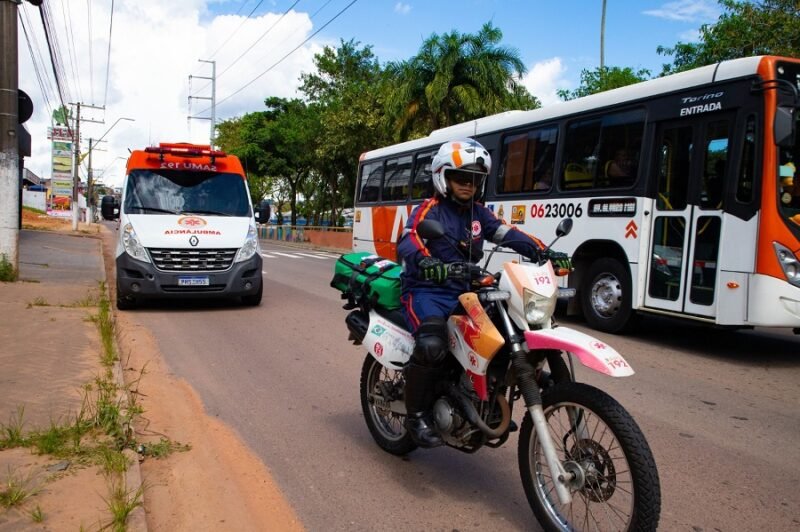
x: 538, y: 309
x: 132, y: 245
x: 789, y: 263
x: 250, y: 246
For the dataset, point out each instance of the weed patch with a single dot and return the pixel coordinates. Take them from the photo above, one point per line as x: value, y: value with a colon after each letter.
x: 8, y: 274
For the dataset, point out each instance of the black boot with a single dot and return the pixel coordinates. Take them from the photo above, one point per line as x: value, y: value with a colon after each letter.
x: 419, y: 395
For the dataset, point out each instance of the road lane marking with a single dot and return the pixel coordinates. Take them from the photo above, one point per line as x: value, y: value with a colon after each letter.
x: 286, y: 255
x: 313, y: 256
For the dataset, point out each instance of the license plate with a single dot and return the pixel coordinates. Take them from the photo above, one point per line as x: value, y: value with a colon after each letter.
x: 193, y: 281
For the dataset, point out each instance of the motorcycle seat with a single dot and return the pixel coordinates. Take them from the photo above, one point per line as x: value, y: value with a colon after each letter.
x: 394, y: 315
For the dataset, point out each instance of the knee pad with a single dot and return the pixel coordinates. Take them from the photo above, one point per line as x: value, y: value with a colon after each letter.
x: 431, y: 342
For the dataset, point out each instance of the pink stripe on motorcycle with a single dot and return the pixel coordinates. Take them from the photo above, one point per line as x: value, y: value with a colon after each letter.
x: 592, y: 353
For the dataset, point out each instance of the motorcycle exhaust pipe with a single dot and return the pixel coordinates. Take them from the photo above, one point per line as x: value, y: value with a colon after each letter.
x: 357, y: 323
x: 473, y: 417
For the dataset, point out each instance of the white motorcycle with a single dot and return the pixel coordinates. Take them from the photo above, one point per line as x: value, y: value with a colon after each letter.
x: 584, y: 462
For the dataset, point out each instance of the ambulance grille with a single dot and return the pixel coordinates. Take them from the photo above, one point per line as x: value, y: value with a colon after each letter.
x: 192, y: 260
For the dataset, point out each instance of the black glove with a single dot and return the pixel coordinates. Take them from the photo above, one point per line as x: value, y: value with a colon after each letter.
x: 560, y: 260
x: 432, y: 269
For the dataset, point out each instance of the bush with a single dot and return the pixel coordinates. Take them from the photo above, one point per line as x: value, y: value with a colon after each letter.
x: 8, y: 273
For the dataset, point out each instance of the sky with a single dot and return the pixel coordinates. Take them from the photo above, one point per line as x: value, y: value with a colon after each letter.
x: 160, y: 52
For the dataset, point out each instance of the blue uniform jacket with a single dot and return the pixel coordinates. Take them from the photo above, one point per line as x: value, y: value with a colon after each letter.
x: 466, y: 225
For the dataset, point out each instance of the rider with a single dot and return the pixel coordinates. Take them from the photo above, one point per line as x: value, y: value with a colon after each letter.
x: 459, y: 172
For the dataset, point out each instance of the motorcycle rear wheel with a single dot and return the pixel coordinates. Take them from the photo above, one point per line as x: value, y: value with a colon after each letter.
x: 616, y: 485
x: 387, y: 427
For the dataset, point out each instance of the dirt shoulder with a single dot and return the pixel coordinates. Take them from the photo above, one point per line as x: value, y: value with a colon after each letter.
x: 217, y: 484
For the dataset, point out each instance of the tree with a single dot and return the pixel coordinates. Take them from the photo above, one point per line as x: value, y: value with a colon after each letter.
x: 455, y: 77
x: 347, y: 89
x: 768, y: 27
x: 603, y: 79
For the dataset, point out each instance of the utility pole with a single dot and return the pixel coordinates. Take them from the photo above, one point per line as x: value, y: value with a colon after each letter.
x: 9, y: 153
x: 602, y: 38
x: 212, y: 98
x: 76, y: 179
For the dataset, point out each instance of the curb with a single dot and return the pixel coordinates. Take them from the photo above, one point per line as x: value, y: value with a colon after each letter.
x: 136, y: 521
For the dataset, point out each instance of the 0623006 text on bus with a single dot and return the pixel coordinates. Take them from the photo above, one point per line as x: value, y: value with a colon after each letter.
x: 683, y: 191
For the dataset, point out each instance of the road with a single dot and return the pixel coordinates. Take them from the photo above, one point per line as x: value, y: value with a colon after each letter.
x: 720, y: 409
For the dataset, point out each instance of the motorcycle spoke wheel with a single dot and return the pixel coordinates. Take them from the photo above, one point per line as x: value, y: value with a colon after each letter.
x: 615, y: 484
x: 379, y: 387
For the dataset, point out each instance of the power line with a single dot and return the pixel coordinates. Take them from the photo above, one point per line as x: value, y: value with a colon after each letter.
x: 91, y: 60
x: 237, y: 29
x: 262, y: 36
x: 71, y: 37
x: 45, y: 95
x: 70, y: 49
x: 285, y: 56
x: 43, y: 12
x: 108, y: 57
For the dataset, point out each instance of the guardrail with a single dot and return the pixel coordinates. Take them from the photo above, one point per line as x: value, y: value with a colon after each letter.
x: 322, y: 236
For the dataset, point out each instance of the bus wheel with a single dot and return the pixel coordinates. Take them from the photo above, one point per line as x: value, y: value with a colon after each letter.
x: 606, y: 295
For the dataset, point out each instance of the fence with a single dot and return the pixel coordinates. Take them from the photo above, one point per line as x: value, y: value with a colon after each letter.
x: 328, y: 237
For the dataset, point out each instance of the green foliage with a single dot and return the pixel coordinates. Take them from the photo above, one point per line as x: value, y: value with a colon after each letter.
x: 8, y: 274
x: 15, y: 490
x: 603, y: 79
x: 12, y: 435
x: 455, y: 77
x: 767, y: 27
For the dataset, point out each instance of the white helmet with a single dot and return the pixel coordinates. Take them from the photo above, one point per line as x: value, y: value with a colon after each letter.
x: 466, y: 154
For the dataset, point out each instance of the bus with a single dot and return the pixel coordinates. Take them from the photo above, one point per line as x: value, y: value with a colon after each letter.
x: 682, y: 190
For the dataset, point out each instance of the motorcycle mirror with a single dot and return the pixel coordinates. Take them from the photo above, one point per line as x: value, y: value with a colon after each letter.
x: 564, y: 227
x: 430, y: 229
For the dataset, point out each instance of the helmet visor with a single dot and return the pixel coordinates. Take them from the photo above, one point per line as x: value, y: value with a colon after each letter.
x: 465, y: 177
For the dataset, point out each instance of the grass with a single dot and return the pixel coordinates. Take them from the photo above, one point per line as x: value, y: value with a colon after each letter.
x: 8, y: 273
x: 98, y: 434
x: 38, y: 302
x: 15, y: 490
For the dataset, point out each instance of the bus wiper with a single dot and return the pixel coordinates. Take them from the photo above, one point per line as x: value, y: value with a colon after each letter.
x: 213, y: 213
x: 153, y: 209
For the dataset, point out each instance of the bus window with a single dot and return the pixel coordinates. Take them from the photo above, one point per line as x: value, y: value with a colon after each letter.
x: 398, y: 172
x: 528, y: 160
x: 423, y: 178
x: 371, y: 176
x: 716, y: 161
x: 675, y: 157
x: 747, y: 172
x: 603, y: 152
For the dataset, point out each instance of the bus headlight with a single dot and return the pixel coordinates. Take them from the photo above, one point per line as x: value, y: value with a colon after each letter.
x: 131, y: 244
x: 789, y: 263
x: 538, y: 309
x: 250, y: 246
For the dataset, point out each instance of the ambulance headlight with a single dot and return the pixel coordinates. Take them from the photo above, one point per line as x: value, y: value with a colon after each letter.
x: 132, y: 245
x: 250, y: 246
x: 538, y: 309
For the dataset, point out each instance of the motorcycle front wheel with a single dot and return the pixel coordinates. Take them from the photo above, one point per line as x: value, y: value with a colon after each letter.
x: 615, y: 482
x: 380, y: 387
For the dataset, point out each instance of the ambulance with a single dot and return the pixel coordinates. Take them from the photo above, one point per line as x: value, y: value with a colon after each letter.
x: 186, y: 227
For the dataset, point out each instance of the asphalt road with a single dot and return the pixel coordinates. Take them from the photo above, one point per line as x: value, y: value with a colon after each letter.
x: 720, y: 409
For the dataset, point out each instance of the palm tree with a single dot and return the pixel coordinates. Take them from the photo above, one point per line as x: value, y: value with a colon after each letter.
x: 454, y: 77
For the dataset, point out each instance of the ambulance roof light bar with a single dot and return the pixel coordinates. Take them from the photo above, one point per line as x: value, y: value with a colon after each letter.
x: 185, y: 150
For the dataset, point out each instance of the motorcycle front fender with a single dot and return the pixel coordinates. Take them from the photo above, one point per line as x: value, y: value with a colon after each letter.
x: 592, y: 353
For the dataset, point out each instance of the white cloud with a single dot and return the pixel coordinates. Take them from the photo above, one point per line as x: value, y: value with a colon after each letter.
x: 687, y: 11
x: 545, y: 78
x: 403, y: 9
x: 155, y: 47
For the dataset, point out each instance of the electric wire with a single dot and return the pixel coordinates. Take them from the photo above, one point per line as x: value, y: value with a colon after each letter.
x: 59, y: 71
x: 48, y: 83
x: 108, y: 56
x: 279, y: 61
x: 91, y: 59
x: 71, y: 52
x: 36, y: 69
x: 259, y: 39
x: 238, y: 28
x: 71, y: 37
x: 43, y: 12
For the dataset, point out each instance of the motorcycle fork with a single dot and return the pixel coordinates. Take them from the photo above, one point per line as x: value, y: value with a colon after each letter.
x: 526, y: 380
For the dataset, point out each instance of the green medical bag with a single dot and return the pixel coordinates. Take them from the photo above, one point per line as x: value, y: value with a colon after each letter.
x: 367, y: 275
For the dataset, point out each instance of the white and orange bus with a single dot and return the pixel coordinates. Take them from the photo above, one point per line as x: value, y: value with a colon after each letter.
x: 682, y: 190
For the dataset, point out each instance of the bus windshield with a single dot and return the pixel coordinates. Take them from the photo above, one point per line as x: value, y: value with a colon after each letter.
x: 789, y: 158
x: 166, y: 191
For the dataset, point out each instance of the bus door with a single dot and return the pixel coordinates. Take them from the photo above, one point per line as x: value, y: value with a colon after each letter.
x: 691, y: 165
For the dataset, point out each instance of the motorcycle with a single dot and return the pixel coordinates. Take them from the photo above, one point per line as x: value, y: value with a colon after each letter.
x: 583, y: 461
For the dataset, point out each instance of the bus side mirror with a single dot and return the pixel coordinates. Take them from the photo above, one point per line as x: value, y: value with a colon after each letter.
x: 784, y: 127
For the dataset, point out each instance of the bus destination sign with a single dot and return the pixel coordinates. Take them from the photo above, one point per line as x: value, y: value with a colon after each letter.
x: 612, y: 207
